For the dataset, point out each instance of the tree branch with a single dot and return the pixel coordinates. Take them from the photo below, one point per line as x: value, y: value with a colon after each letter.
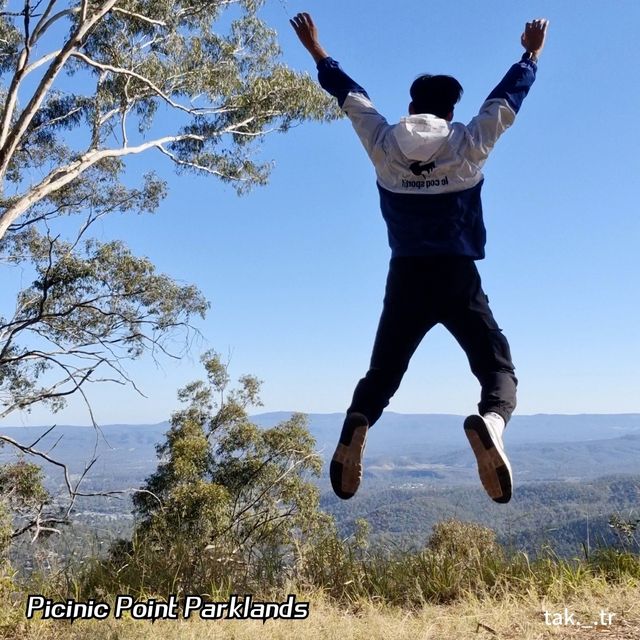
x: 44, y: 17
x: 138, y: 16
x: 159, y: 92
x: 42, y: 27
x: 43, y: 60
x: 42, y: 522
x: 192, y: 165
x: 63, y: 176
x: 10, y: 139
x: 12, y: 94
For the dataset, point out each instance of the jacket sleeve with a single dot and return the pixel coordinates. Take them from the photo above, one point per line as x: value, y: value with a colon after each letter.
x: 499, y: 110
x: 354, y: 101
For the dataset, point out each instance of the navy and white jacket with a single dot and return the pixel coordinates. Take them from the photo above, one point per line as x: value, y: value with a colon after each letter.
x: 428, y: 169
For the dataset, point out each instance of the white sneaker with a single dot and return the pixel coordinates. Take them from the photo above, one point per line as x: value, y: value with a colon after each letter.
x: 485, y: 437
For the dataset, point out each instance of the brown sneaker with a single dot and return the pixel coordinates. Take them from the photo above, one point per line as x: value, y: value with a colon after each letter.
x: 346, y: 465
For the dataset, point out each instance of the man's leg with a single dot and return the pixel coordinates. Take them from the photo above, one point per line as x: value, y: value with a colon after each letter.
x: 471, y: 322
x: 406, y: 318
x: 407, y: 315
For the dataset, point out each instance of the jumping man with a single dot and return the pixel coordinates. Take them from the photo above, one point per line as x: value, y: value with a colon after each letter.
x: 429, y: 176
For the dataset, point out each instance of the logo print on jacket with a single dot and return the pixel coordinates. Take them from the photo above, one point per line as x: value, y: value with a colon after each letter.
x: 418, y: 168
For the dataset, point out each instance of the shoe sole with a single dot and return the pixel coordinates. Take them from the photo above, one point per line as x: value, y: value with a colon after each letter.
x: 493, y: 466
x: 345, y: 470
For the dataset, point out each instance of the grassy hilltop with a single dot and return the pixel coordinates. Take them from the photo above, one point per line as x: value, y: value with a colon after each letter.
x: 461, y: 585
x: 233, y: 508
x: 508, y: 619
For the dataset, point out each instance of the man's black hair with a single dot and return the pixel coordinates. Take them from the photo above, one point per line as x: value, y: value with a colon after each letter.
x: 435, y: 94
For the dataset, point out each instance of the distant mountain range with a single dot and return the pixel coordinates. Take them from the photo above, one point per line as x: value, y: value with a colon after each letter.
x: 400, y: 446
x: 419, y: 470
x: 404, y: 433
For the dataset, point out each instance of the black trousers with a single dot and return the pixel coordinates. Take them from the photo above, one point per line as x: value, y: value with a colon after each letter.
x: 420, y: 293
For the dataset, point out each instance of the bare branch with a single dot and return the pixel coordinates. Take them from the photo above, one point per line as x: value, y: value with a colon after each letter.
x: 12, y: 94
x: 42, y: 522
x: 52, y: 392
x: 10, y: 139
x: 44, y: 17
x: 43, y: 60
x: 49, y: 214
x: 27, y: 21
x: 159, y: 92
x: 138, y: 16
x: 40, y: 454
x: 64, y: 175
x: 192, y: 165
x: 42, y: 27
x: 44, y: 435
x: 108, y: 115
x: 61, y: 118
x: 123, y: 117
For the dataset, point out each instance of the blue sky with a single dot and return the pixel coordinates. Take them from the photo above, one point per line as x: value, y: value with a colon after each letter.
x: 295, y: 271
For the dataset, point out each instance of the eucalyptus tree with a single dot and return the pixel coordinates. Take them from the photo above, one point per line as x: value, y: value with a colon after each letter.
x: 230, y: 502
x: 85, y: 85
x: 150, y: 75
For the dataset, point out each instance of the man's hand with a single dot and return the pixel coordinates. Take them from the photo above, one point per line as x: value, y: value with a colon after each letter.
x: 307, y: 32
x: 534, y: 36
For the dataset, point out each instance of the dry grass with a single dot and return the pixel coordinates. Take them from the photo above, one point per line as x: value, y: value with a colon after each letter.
x: 511, y: 618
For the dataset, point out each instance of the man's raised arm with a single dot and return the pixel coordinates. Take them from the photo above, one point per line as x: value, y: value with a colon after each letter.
x: 503, y: 103
x: 331, y: 77
x: 534, y: 36
x: 307, y: 33
x: 352, y: 98
x: 516, y: 84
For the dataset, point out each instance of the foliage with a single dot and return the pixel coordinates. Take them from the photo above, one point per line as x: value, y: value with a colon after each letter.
x: 461, y: 561
x: 563, y: 515
x: 625, y: 529
x: 230, y: 503
x: 11, y: 609
x: 91, y: 306
x: 22, y: 496
x: 196, y: 80
x: 356, y: 577
x: 459, y: 557
x: 164, y: 76
x: 5, y: 530
x: 86, y: 85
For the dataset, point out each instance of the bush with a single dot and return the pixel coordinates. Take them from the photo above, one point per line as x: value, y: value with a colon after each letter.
x: 459, y: 558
